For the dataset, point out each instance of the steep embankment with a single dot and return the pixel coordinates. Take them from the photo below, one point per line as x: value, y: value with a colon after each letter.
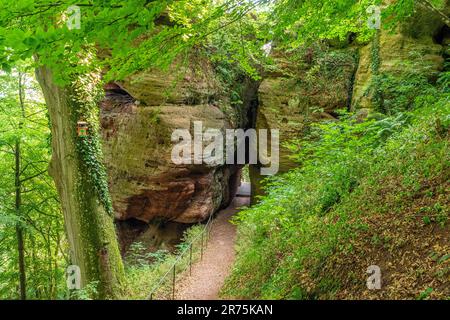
x: 353, y: 206
x: 371, y: 190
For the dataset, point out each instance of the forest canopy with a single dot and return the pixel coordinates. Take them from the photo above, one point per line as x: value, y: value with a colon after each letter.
x: 128, y: 36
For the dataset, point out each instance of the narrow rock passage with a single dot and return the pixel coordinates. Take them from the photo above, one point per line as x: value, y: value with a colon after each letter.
x: 208, y: 275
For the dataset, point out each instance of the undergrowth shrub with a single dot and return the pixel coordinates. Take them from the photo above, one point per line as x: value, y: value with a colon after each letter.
x: 144, y: 270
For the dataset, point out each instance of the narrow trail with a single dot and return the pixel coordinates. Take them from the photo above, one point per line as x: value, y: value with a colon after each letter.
x: 208, y: 275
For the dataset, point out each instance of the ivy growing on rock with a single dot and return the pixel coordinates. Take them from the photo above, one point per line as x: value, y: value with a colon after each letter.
x: 377, y: 97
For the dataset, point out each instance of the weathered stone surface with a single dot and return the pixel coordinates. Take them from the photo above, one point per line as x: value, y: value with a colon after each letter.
x: 191, y: 85
x: 295, y: 96
x: 290, y: 100
x: 138, y: 117
x: 400, y: 55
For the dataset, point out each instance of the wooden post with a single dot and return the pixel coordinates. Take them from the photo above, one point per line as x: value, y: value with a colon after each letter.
x: 201, y: 251
x: 190, y: 260
x: 173, y: 283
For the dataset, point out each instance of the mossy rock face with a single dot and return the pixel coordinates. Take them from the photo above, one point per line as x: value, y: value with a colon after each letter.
x: 300, y: 94
x: 138, y: 118
x: 191, y: 84
x: 423, y: 23
x: 408, y: 56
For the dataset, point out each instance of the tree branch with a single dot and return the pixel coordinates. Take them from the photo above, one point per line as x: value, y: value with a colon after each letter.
x: 33, y: 176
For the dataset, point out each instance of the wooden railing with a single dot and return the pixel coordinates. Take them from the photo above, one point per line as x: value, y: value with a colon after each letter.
x: 165, y: 288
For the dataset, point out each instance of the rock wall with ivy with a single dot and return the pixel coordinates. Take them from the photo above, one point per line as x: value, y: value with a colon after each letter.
x: 397, y: 66
x: 80, y: 178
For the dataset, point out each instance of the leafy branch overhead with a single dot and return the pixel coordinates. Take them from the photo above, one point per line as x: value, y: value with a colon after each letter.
x: 130, y: 36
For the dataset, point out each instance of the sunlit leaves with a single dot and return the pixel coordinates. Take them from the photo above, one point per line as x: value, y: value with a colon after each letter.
x: 39, y: 216
x: 128, y: 35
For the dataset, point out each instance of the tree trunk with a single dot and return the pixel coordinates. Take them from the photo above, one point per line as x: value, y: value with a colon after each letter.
x: 19, y: 230
x: 90, y: 229
x: 18, y: 202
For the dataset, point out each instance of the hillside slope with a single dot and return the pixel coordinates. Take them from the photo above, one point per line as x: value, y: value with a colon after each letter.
x: 367, y: 193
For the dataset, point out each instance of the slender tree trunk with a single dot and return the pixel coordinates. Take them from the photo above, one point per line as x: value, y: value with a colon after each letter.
x: 33, y: 264
x: 49, y: 264
x: 55, y: 267
x: 90, y: 229
x: 19, y: 230
x: 18, y: 193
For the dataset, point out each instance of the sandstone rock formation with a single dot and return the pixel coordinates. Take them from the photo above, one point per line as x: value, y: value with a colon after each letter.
x: 414, y: 50
x: 299, y: 94
x: 138, y: 117
x: 303, y: 91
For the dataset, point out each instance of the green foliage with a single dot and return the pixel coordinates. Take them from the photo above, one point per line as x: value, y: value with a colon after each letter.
x: 145, y: 270
x: 138, y: 255
x: 89, y: 149
x: 444, y: 78
x: 393, y: 92
x: 326, y: 140
x: 237, y: 49
x: 297, y: 22
x: 155, y: 116
x: 425, y: 294
x: 311, y: 213
x: 245, y: 174
x: 400, y: 11
x: 40, y: 215
x: 129, y: 36
x: 398, y: 93
x: 86, y: 293
x: 321, y: 63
